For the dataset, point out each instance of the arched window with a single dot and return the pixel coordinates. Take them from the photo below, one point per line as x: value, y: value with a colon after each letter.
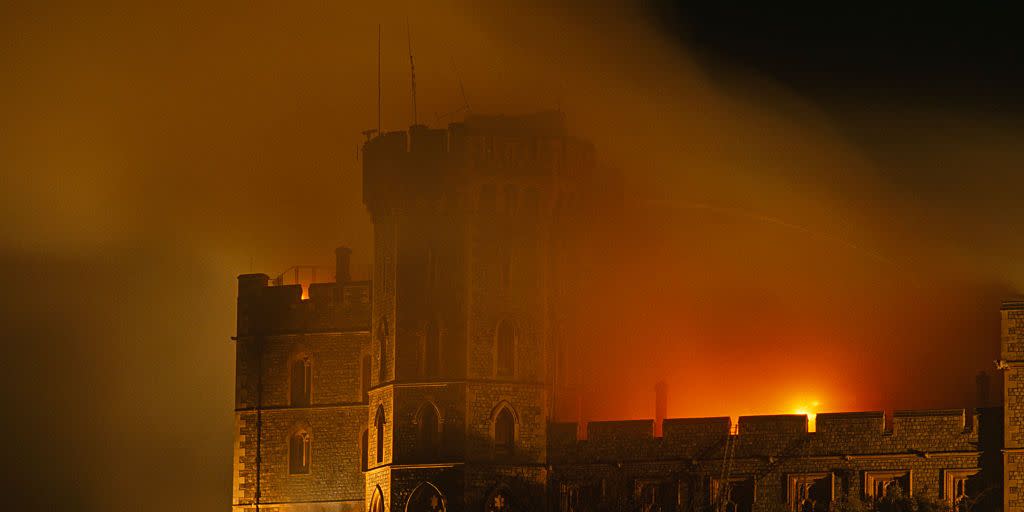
x: 505, y: 353
x: 367, y: 368
x: 298, y: 453
x: 431, y: 364
x: 504, y: 432
x: 364, y: 448
x: 377, y: 501
x: 301, y: 380
x: 425, y: 498
x: 379, y: 423
x: 427, y: 432
x: 382, y: 350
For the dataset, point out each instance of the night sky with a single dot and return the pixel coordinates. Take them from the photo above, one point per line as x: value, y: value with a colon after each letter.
x: 822, y: 206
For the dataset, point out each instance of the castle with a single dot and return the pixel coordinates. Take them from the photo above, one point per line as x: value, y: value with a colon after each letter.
x: 433, y: 386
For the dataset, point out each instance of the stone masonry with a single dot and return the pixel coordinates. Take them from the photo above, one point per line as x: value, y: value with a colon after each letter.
x: 434, y: 385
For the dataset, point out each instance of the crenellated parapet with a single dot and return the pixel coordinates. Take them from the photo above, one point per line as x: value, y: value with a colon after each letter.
x: 442, y: 167
x: 331, y: 307
x: 837, y: 435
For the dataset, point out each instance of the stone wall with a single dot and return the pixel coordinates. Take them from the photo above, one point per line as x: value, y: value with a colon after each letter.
x: 618, y: 460
x: 1012, y: 348
x: 334, y: 472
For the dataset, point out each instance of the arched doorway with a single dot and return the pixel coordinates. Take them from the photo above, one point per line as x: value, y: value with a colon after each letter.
x: 425, y: 498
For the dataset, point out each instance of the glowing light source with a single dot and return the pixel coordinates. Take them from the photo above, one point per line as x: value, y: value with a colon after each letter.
x: 811, y: 413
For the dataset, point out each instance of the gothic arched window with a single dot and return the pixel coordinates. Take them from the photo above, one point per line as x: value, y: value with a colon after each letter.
x: 504, y: 432
x: 428, y: 431
x: 301, y: 381
x: 379, y: 423
x: 299, y: 453
x: 505, y: 350
x: 431, y: 365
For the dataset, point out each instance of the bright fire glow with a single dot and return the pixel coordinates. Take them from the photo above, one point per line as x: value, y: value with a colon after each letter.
x: 811, y: 411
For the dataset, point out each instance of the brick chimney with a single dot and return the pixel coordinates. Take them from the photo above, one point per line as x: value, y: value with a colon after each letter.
x: 342, y: 257
x: 660, y: 406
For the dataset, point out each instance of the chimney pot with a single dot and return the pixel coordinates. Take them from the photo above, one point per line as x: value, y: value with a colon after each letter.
x: 342, y: 256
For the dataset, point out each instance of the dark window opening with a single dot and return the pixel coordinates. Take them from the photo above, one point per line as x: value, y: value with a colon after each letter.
x: 504, y: 433
x: 298, y: 453
x: 427, y: 433
x: 379, y: 423
x: 364, y: 457
x: 301, y: 380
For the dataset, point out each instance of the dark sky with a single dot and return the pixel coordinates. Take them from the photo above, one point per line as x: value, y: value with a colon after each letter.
x: 824, y: 206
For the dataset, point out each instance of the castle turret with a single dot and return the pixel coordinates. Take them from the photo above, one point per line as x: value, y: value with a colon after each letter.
x: 300, y: 393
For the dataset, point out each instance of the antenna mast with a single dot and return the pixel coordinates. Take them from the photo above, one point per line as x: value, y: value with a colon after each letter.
x: 378, y: 81
x: 412, y: 68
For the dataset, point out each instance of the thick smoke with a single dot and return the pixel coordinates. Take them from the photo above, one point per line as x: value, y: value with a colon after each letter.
x: 773, y: 253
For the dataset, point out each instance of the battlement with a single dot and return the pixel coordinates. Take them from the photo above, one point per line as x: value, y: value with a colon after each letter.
x: 837, y: 434
x: 341, y: 305
x: 430, y: 163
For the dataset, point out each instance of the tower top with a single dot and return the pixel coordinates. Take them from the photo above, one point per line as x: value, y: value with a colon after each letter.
x: 429, y: 164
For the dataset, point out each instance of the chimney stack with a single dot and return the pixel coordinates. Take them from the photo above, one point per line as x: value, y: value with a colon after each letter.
x: 982, y: 384
x: 660, y: 406
x: 342, y: 256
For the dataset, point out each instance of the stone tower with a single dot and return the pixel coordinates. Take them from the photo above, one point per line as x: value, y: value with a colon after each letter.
x: 300, y: 393
x: 465, y: 274
x: 1012, y: 363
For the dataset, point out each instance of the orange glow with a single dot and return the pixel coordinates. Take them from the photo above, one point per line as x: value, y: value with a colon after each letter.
x: 811, y: 411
